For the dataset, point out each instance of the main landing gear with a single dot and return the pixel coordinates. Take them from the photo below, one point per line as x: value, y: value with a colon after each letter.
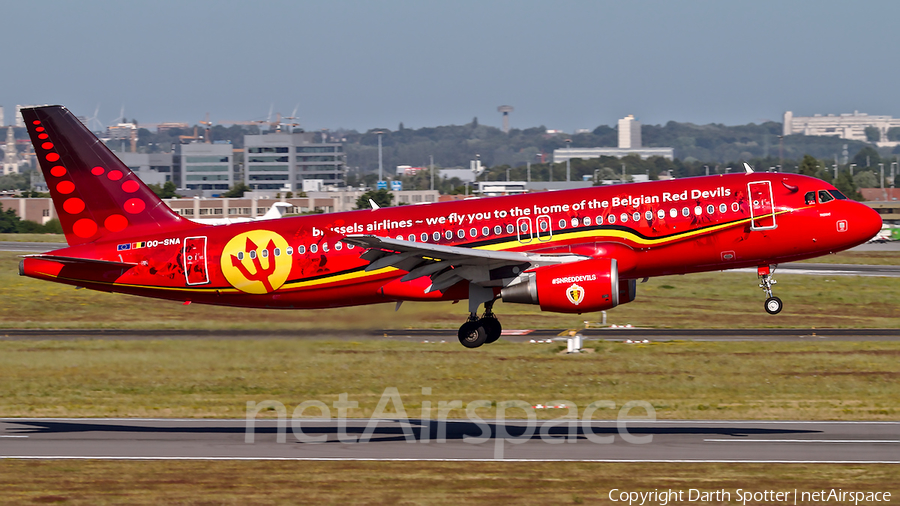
x: 773, y: 304
x: 477, y: 331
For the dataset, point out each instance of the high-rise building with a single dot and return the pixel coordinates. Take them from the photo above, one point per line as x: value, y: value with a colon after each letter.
x: 11, y: 156
x: 206, y: 166
x: 629, y: 133
x: 283, y: 160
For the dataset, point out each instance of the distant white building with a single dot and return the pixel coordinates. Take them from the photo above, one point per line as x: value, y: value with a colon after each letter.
x: 629, y: 133
x: 11, y: 154
x: 846, y: 126
x: 629, y: 144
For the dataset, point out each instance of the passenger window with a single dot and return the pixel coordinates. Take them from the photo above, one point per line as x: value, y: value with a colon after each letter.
x: 337, y: 246
x: 473, y: 232
x: 436, y: 236
x: 424, y: 237
x: 510, y: 229
x: 673, y: 213
x: 485, y: 231
x: 461, y: 234
x: 498, y: 230
x: 810, y: 198
x: 313, y: 248
x: 412, y: 238
x: 611, y: 219
x: 624, y: 218
x: 824, y: 196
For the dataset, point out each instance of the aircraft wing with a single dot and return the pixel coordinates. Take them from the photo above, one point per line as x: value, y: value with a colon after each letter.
x: 448, y: 265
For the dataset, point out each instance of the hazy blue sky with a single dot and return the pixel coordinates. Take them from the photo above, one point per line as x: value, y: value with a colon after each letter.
x: 563, y: 64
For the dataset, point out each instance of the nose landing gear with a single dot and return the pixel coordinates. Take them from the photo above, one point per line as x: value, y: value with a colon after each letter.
x: 773, y: 304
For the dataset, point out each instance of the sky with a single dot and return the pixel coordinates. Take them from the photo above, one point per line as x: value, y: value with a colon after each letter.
x: 361, y: 65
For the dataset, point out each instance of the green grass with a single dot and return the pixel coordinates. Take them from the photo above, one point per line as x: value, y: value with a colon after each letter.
x: 683, y: 380
x: 33, y: 238
x: 526, y: 483
x: 707, y: 300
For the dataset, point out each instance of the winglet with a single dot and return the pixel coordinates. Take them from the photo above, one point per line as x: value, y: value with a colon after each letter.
x: 747, y: 168
x: 374, y: 205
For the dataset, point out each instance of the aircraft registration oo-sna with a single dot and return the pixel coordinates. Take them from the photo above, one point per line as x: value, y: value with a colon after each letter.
x: 573, y: 251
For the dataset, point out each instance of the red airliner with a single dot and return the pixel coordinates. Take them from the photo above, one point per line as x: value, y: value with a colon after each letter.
x: 573, y: 251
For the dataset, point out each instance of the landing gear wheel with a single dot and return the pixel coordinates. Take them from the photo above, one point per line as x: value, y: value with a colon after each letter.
x: 472, y: 334
x: 492, y: 327
x: 774, y: 305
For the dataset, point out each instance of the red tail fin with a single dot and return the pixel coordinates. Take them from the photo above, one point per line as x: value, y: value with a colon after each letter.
x: 96, y: 196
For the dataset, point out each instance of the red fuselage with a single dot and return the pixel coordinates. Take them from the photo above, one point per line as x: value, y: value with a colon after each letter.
x: 651, y: 229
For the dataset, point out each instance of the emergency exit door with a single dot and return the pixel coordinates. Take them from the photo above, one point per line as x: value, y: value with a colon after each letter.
x: 762, y: 207
x: 194, y: 255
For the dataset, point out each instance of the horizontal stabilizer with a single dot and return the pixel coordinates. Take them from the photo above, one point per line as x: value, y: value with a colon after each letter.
x: 83, y: 261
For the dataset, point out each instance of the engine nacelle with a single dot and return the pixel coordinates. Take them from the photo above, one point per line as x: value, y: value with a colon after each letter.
x: 578, y: 287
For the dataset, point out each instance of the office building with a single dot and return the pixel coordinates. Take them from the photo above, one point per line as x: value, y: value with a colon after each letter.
x: 283, y: 160
x: 206, y: 166
x: 151, y: 168
x: 846, y: 126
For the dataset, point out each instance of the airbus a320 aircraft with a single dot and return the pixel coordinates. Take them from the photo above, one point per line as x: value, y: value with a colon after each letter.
x: 573, y: 251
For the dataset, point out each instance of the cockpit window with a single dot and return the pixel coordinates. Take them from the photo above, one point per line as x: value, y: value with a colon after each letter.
x: 810, y: 198
x: 824, y: 196
x: 838, y: 195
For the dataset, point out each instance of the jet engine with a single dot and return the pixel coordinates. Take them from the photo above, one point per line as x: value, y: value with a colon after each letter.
x: 578, y: 287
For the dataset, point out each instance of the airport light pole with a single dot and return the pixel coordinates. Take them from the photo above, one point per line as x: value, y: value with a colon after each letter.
x: 431, y: 160
x: 568, y: 160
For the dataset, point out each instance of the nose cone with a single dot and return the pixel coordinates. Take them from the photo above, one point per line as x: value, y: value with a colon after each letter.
x: 868, y: 221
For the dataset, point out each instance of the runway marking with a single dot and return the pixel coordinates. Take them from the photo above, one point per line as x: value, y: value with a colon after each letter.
x: 894, y: 441
x: 367, y: 459
x: 13, y: 436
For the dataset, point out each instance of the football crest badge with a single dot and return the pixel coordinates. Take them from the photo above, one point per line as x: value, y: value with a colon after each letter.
x: 575, y: 294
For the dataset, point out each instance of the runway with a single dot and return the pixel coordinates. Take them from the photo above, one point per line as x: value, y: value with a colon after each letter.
x: 637, y: 441
x: 432, y: 336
